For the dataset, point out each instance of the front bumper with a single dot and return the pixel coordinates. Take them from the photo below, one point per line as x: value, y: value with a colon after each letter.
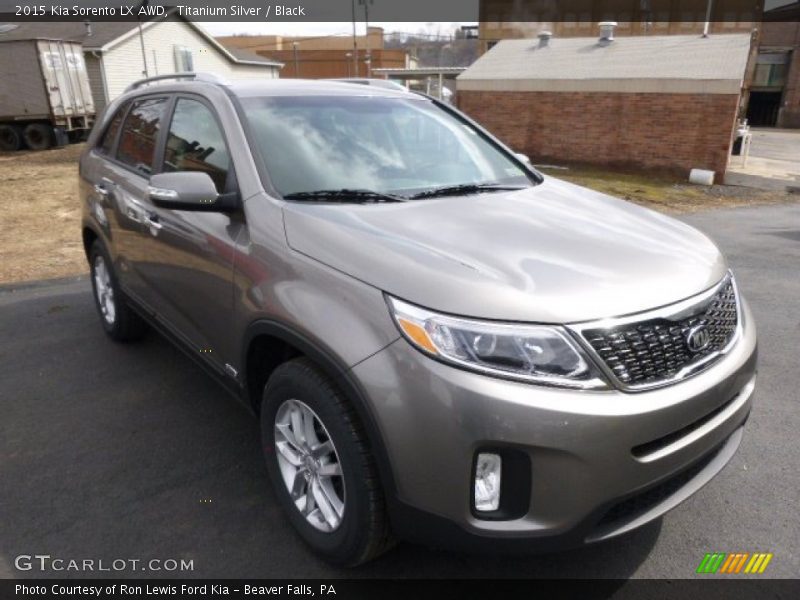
x: 601, y: 462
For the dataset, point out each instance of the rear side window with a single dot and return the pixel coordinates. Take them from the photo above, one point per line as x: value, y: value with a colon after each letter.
x: 110, y: 134
x: 137, y: 144
x: 195, y: 143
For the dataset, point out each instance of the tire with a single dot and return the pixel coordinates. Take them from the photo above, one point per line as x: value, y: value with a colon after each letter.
x: 362, y: 532
x: 10, y: 138
x: 38, y: 136
x: 118, y: 319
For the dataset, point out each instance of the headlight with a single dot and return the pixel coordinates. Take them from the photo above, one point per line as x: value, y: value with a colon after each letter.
x: 536, y: 353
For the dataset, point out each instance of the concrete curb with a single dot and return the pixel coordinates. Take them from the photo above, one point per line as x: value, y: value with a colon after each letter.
x: 20, y: 286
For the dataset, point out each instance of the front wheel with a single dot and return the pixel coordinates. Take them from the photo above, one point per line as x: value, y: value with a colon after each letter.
x: 321, y: 467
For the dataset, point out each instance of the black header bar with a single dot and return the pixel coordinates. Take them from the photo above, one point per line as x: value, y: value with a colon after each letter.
x: 437, y: 589
x: 498, y: 11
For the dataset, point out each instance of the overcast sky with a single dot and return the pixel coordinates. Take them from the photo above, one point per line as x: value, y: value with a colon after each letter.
x: 335, y: 28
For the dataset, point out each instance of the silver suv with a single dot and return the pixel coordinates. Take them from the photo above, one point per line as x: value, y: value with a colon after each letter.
x: 442, y: 344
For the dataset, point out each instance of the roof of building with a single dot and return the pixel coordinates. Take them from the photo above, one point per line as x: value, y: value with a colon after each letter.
x: 251, y: 57
x: 667, y: 63
x: 106, y: 35
x: 410, y: 73
x: 71, y: 31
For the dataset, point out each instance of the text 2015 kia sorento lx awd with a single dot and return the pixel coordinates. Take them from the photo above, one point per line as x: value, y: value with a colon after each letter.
x: 442, y: 344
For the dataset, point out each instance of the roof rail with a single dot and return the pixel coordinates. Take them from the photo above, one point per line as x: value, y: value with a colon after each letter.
x: 205, y: 77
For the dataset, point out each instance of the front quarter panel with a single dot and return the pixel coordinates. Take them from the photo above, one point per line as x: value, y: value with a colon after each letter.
x: 342, y: 317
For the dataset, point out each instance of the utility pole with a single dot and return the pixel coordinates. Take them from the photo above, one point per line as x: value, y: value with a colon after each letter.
x: 141, y: 39
x: 708, y: 18
x: 368, y: 59
x: 355, y: 40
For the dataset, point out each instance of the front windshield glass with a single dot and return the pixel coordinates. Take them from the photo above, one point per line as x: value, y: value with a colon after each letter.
x: 388, y: 145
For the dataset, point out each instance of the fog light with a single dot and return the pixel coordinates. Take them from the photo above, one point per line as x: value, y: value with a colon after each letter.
x: 487, y: 481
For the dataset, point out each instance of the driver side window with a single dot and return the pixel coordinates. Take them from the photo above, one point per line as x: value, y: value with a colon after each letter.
x: 195, y: 143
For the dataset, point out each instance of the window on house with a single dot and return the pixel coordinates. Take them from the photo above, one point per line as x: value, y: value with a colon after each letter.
x: 183, y: 59
x: 771, y: 69
x: 137, y: 144
x: 195, y: 143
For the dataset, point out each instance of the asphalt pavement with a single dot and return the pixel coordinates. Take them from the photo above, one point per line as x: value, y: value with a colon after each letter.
x: 131, y: 452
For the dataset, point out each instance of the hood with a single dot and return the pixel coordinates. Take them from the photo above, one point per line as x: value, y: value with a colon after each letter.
x: 552, y: 253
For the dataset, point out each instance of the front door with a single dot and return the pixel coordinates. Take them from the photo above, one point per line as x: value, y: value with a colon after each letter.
x: 188, y: 266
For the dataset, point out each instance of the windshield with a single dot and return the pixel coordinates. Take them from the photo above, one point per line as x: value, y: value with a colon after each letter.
x: 385, y: 145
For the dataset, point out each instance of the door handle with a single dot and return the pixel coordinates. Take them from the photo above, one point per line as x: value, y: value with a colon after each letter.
x: 101, y: 190
x: 153, y: 223
x: 133, y: 209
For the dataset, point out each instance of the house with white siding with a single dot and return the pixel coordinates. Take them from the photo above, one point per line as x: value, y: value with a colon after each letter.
x: 119, y: 53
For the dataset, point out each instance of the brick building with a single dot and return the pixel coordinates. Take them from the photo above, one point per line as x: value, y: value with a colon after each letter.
x: 774, y: 88
x: 324, y: 57
x: 510, y: 19
x: 771, y: 90
x: 656, y: 102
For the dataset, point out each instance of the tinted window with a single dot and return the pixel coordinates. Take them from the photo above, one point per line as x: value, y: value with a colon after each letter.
x: 110, y: 135
x: 195, y: 143
x: 137, y: 145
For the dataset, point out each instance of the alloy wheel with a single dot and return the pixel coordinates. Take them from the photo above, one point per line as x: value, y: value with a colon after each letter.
x: 104, y: 291
x: 309, y: 465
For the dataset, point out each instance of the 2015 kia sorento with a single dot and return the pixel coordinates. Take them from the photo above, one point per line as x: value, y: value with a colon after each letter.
x: 442, y: 344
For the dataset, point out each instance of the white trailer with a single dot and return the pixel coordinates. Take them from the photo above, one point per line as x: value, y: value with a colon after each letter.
x: 45, y: 96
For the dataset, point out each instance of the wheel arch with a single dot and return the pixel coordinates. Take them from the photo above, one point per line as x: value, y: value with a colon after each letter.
x: 89, y: 237
x: 284, y: 340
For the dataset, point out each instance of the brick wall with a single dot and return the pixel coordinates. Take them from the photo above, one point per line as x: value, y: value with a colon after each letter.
x: 789, y: 115
x: 651, y: 131
x: 782, y: 36
x: 330, y: 64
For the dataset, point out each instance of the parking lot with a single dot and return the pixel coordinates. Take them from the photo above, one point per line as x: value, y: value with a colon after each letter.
x: 773, y: 162
x: 110, y: 451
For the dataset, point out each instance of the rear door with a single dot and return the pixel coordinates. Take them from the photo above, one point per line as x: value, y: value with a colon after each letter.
x: 106, y: 203
x: 125, y: 177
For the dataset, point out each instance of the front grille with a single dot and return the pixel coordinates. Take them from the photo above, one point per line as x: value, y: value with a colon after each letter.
x: 652, y: 351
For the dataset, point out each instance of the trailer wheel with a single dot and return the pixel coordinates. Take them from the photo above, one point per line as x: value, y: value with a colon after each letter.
x: 38, y: 136
x: 10, y: 138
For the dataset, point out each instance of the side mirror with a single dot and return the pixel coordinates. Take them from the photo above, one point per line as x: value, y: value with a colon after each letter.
x: 523, y: 158
x: 189, y: 190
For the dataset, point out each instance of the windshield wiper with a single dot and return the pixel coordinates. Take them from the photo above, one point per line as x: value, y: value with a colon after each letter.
x: 466, y: 188
x: 345, y: 195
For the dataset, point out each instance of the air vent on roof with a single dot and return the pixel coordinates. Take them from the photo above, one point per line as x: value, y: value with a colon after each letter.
x: 607, y: 31
x: 544, y: 38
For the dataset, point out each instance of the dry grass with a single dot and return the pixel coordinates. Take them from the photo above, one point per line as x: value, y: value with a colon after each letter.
x: 41, y: 233
x: 41, y: 238
x: 664, y: 193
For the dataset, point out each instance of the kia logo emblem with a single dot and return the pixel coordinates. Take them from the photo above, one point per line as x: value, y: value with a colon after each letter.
x: 698, y: 338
